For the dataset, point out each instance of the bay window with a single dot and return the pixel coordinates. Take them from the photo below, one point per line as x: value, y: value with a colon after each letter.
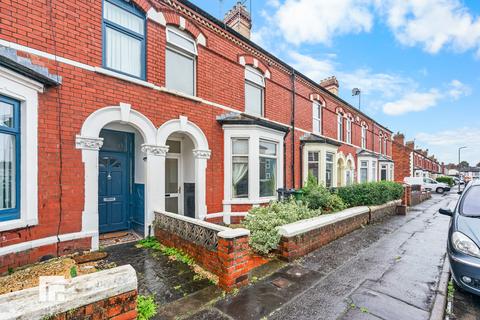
x: 317, y: 117
x: 268, y: 168
x: 180, y: 61
x: 9, y: 159
x: 254, y: 91
x: 363, y: 171
x: 240, y: 168
x: 340, y: 126
x: 313, y: 165
x: 123, y: 38
x: 329, y: 169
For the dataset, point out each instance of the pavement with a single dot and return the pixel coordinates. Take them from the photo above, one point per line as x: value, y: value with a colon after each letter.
x: 388, y: 270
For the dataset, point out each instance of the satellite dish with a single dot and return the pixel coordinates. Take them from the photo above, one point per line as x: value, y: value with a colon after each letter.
x: 355, y: 92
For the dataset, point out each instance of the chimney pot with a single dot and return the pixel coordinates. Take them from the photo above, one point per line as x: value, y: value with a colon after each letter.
x: 239, y: 19
x: 331, y: 84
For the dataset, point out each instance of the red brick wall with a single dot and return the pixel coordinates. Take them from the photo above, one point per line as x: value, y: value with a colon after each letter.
x: 17, y: 259
x: 120, y: 307
x: 72, y: 29
x: 401, y: 156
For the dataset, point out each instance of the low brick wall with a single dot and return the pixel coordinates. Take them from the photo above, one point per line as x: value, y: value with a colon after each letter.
x: 109, y: 294
x: 220, y: 250
x: 385, y: 210
x: 419, y: 197
x: 25, y: 257
x: 303, y: 237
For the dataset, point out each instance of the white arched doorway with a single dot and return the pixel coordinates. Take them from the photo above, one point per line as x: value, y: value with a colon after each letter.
x: 183, y: 130
x: 90, y: 142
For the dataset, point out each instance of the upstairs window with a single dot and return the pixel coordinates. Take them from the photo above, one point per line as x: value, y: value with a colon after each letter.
x: 254, y: 91
x: 180, y: 61
x: 349, y: 130
x: 123, y: 38
x: 340, y: 126
x: 385, y: 146
x: 9, y: 159
x: 317, y: 117
x: 364, y: 137
x: 380, y: 144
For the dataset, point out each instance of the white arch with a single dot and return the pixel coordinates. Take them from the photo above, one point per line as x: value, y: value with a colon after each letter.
x: 90, y: 143
x: 122, y: 113
x: 182, y: 125
x: 201, y: 154
x: 351, y: 159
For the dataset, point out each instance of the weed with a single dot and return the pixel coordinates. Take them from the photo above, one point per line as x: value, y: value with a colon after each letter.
x: 177, y: 287
x: 352, y: 306
x: 146, y: 307
x: 73, y: 272
x: 10, y: 270
x: 451, y: 290
x: 235, y: 292
x: 364, y: 310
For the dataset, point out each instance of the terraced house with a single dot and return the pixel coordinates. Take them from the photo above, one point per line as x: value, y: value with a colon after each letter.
x: 114, y: 109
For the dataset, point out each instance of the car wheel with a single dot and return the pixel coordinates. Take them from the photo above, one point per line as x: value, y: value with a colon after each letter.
x: 440, y: 190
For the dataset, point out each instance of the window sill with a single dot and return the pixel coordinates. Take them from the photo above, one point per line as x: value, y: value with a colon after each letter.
x: 124, y: 77
x: 17, y: 224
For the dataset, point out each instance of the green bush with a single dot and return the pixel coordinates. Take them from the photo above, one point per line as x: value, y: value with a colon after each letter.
x: 146, y: 307
x: 263, y: 222
x: 372, y: 193
x: 447, y: 180
x: 319, y: 197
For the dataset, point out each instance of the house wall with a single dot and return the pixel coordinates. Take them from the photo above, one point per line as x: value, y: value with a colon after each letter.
x: 66, y: 38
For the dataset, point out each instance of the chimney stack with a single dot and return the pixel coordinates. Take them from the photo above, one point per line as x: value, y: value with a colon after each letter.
x: 410, y: 145
x: 399, y: 138
x: 239, y: 19
x: 331, y: 84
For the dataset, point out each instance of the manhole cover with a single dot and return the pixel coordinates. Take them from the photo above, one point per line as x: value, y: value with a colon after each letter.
x: 281, y: 283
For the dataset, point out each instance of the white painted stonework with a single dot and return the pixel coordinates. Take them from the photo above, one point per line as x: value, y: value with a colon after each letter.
x: 78, y: 292
x: 26, y: 91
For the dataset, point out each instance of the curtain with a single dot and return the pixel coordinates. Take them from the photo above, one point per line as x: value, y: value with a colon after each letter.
x: 7, y: 171
x: 123, y: 52
x: 239, y: 172
x: 123, y: 18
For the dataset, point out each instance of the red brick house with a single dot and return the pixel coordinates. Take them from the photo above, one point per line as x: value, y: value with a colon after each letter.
x: 114, y: 109
x: 412, y: 162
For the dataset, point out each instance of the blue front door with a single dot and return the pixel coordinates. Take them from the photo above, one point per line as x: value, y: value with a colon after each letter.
x: 114, y: 182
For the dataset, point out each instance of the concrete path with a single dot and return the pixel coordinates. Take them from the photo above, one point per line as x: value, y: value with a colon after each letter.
x: 389, y: 270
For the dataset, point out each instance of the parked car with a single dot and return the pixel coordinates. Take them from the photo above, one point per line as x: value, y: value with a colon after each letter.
x: 463, y: 245
x: 427, y: 184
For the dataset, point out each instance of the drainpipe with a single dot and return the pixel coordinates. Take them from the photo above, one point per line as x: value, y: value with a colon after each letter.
x: 285, y: 160
x: 301, y: 163
x: 292, y: 164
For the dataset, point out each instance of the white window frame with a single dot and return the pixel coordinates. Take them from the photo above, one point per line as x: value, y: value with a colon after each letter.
x: 254, y: 134
x: 374, y: 170
x: 364, y: 137
x: 349, y: 130
x: 366, y: 167
x: 26, y: 91
x: 322, y: 150
x: 340, y: 128
x: 317, y: 110
x: 267, y: 157
x: 385, y: 146
x: 239, y: 155
x: 184, y: 52
x: 256, y: 84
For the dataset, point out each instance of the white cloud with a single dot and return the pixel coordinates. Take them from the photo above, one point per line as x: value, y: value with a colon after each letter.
x: 318, y: 21
x: 412, y: 102
x: 433, y: 24
x: 445, y: 144
x: 316, y: 69
x: 457, y: 90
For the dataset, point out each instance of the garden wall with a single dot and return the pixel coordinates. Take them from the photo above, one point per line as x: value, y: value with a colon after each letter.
x: 109, y: 294
x: 220, y: 250
x: 303, y: 237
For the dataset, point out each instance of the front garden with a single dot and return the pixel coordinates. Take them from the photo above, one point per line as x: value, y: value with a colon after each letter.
x: 316, y: 200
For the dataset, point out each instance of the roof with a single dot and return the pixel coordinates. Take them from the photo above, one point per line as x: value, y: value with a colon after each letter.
x: 313, y: 138
x: 470, y: 169
x: 24, y: 66
x: 224, y: 26
x: 235, y: 118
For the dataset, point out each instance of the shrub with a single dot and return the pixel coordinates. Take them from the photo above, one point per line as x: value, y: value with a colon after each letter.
x: 263, y: 222
x: 319, y: 197
x: 447, y: 180
x: 372, y: 193
x: 146, y: 307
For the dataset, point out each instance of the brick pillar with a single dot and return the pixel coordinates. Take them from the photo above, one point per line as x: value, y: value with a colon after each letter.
x: 233, y: 255
x: 407, y: 196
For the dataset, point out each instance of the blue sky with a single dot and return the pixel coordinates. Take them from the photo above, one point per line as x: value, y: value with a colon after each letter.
x: 417, y: 62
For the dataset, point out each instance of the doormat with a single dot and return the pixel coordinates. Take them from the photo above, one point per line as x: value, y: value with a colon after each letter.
x: 114, y: 238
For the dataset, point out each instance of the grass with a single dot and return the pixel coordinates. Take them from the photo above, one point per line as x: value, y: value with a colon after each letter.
x: 146, y: 307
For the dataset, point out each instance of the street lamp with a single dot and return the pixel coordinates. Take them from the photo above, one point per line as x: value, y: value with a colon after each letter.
x: 459, y: 153
x: 357, y: 92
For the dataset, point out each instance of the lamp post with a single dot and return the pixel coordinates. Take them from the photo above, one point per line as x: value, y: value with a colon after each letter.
x: 357, y: 92
x: 459, y: 153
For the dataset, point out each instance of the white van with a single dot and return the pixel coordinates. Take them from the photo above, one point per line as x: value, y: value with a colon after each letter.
x: 427, y: 184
